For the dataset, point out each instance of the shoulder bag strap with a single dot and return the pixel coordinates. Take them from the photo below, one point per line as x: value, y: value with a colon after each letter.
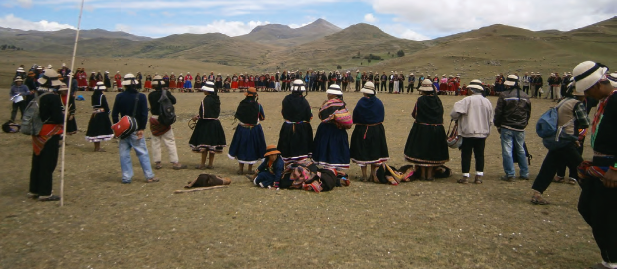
x: 136, y: 103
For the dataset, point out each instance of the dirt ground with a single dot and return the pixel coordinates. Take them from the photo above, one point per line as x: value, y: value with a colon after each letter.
x: 441, y: 224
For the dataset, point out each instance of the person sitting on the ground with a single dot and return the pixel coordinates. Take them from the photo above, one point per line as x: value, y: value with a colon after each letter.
x: 268, y: 174
x: 390, y: 175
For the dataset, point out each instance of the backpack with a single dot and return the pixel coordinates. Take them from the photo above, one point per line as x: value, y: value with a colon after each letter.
x: 167, y: 115
x: 551, y: 134
x: 31, y: 122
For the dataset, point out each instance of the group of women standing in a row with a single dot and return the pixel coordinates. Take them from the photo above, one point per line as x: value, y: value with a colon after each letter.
x: 426, y: 145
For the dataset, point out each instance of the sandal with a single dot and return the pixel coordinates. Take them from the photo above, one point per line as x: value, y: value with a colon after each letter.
x: 178, y: 167
x: 209, y: 167
x: 463, y: 180
x: 49, y: 198
x: 572, y: 181
x: 158, y: 165
x: 559, y: 179
x: 478, y: 180
x: 537, y: 199
x: 200, y: 167
x: 239, y: 172
x: 152, y: 180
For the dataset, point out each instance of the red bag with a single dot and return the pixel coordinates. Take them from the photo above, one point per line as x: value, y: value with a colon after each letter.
x: 127, y: 124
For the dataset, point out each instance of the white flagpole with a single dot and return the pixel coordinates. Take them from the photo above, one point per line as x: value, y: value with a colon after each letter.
x: 66, y: 107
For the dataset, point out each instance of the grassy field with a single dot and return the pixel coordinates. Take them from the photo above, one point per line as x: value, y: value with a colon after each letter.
x: 441, y: 224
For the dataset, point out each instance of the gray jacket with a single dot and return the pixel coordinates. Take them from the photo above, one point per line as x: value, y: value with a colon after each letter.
x: 475, y: 116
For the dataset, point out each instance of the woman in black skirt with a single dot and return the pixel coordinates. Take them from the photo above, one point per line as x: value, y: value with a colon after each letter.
x: 208, y: 136
x: 296, y: 135
x: 331, y: 144
x: 368, y: 140
x: 99, y: 127
x: 68, y: 98
x: 249, y: 144
x: 426, y: 145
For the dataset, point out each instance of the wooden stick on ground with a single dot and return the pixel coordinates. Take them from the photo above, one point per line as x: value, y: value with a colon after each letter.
x: 201, y: 189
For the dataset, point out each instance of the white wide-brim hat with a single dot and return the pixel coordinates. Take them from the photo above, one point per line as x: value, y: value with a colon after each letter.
x: 476, y: 84
x: 158, y: 80
x: 613, y: 79
x: 369, y: 88
x: 100, y: 86
x: 587, y: 74
x: 334, y: 89
x: 52, y: 75
x: 208, y: 87
x: 427, y: 86
x: 129, y: 79
x: 511, y: 80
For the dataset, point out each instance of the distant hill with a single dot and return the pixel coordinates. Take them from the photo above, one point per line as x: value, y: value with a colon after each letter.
x: 323, y: 46
x: 283, y: 35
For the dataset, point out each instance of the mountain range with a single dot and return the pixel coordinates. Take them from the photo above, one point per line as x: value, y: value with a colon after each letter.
x: 322, y: 45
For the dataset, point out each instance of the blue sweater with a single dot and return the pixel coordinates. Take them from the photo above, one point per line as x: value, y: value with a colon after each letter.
x: 124, y: 104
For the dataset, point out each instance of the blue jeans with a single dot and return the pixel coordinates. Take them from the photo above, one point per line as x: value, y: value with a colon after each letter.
x: 513, y: 141
x: 141, y: 150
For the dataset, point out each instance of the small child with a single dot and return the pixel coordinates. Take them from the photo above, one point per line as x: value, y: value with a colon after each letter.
x: 268, y: 174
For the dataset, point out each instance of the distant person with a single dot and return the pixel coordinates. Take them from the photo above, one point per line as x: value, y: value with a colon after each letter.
x: 160, y: 132
x: 368, y: 140
x: 358, y: 80
x: 475, y: 117
x: 18, y: 94
x: 45, y: 143
x: 411, y: 82
x: 511, y: 118
x: 525, y: 81
x: 128, y: 103
x: 208, y: 136
x: 248, y: 144
x: 426, y: 145
x: 296, y: 135
x: 331, y: 144
x: 107, y: 80
x: 118, y: 80
x: 68, y: 100
x: 598, y: 178
x: 99, y: 127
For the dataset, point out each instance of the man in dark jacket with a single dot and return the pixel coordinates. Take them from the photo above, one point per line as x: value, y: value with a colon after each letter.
x: 128, y: 103
x: 511, y: 117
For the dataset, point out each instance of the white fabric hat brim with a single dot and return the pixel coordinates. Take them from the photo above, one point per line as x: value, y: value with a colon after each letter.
x: 335, y: 92
x: 476, y: 87
x: 101, y: 88
x: 367, y: 91
x: 54, y: 83
x: 207, y: 89
x: 509, y: 83
x: 129, y: 82
x: 612, y: 78
x: 426, y: 89
x: 588, y: 82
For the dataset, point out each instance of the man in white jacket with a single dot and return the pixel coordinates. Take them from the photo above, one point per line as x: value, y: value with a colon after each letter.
x: 475, y: 116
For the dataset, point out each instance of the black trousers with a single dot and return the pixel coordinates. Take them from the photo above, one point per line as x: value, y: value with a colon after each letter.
x: 561, y: 170
x: 391, y: 87
x: 597, y: 206
x: 477, y: 146
x: 383, y: 86
x: 358, y: 85
x: 21, y: 106
x: 43, y: 167
x: 410, y: 87
x: 526, y: 89
x: 568, y: 155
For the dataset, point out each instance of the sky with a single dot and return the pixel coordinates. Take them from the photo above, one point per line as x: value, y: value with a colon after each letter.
x: 409, y: 19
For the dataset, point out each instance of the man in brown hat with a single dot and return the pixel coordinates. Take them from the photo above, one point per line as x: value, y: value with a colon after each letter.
x: 18, y: 94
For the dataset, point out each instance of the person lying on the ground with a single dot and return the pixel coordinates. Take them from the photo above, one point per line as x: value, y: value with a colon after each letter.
x: 390, y: 175
x: 207, y: 180
x: 326, y: 179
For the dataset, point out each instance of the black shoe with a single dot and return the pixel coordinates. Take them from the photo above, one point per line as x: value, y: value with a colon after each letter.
x: 507, y: 178
x: 49, y: 198
x: 523, y: 178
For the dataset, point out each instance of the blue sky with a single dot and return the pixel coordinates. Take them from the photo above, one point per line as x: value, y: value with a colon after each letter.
x: 411, y: 19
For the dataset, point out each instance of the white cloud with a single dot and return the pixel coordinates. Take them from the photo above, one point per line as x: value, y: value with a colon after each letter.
x: 123, y: 28
x: 409, y: 34
x: 10, y: 21
x: 467, y: 14
x: 24, y: 3
x: 369, y: 18
x: 230, y: 28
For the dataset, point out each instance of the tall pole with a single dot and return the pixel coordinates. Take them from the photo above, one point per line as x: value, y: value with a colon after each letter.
x: 66, y: 106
